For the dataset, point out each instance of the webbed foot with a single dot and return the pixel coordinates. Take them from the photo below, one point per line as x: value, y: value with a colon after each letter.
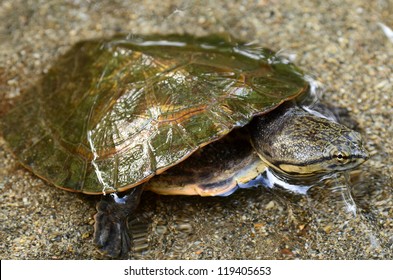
x: 111, y: 232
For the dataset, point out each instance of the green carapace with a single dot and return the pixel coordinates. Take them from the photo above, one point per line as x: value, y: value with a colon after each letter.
x: 177, y: 115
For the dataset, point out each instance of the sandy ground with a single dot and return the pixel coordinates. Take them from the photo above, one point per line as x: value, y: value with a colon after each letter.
x: 338, y: 42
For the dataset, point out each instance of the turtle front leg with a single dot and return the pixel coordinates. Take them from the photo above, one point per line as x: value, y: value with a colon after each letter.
x: 111, y: 232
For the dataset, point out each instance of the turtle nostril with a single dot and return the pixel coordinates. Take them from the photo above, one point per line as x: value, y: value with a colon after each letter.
x: 364, y: 155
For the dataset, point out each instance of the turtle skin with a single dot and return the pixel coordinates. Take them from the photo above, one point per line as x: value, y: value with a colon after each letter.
x: 120, y: 115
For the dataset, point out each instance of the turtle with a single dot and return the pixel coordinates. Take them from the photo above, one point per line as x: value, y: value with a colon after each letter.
x: 176, y: 115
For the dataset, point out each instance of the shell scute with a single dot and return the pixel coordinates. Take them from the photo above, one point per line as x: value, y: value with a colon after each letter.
x: 112, y: 113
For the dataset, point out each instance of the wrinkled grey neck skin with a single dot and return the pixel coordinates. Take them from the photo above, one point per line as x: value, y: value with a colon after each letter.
x: 299, y: 143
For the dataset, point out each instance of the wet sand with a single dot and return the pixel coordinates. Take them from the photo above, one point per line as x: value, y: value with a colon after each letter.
x: 338, y: 42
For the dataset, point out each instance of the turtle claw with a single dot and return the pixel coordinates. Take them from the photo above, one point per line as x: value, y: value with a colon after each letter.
x: 111, y: 235
x: 111, y: 232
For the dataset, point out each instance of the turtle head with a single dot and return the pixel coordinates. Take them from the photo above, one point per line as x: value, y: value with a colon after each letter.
x: 296, y: 142
x: 344, y: 152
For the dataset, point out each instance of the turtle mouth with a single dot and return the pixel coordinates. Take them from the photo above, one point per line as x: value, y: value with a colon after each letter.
x: 345, y: 158
x: 352, y: 162
x: 322, y: 166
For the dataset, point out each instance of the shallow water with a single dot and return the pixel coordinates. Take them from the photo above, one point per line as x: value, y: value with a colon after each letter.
x: 338, y: 42
x: 292, y: 226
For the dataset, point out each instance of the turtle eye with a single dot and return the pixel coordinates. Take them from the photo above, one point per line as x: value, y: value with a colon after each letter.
x: 340, y: 157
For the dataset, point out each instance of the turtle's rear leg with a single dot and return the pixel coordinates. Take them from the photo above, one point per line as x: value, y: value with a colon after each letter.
x: 111, y: 233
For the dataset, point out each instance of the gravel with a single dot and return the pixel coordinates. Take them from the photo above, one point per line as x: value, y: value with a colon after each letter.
x: 341, y: 43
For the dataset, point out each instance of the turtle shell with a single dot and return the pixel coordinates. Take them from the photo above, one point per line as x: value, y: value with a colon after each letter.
x: 112, y: 113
